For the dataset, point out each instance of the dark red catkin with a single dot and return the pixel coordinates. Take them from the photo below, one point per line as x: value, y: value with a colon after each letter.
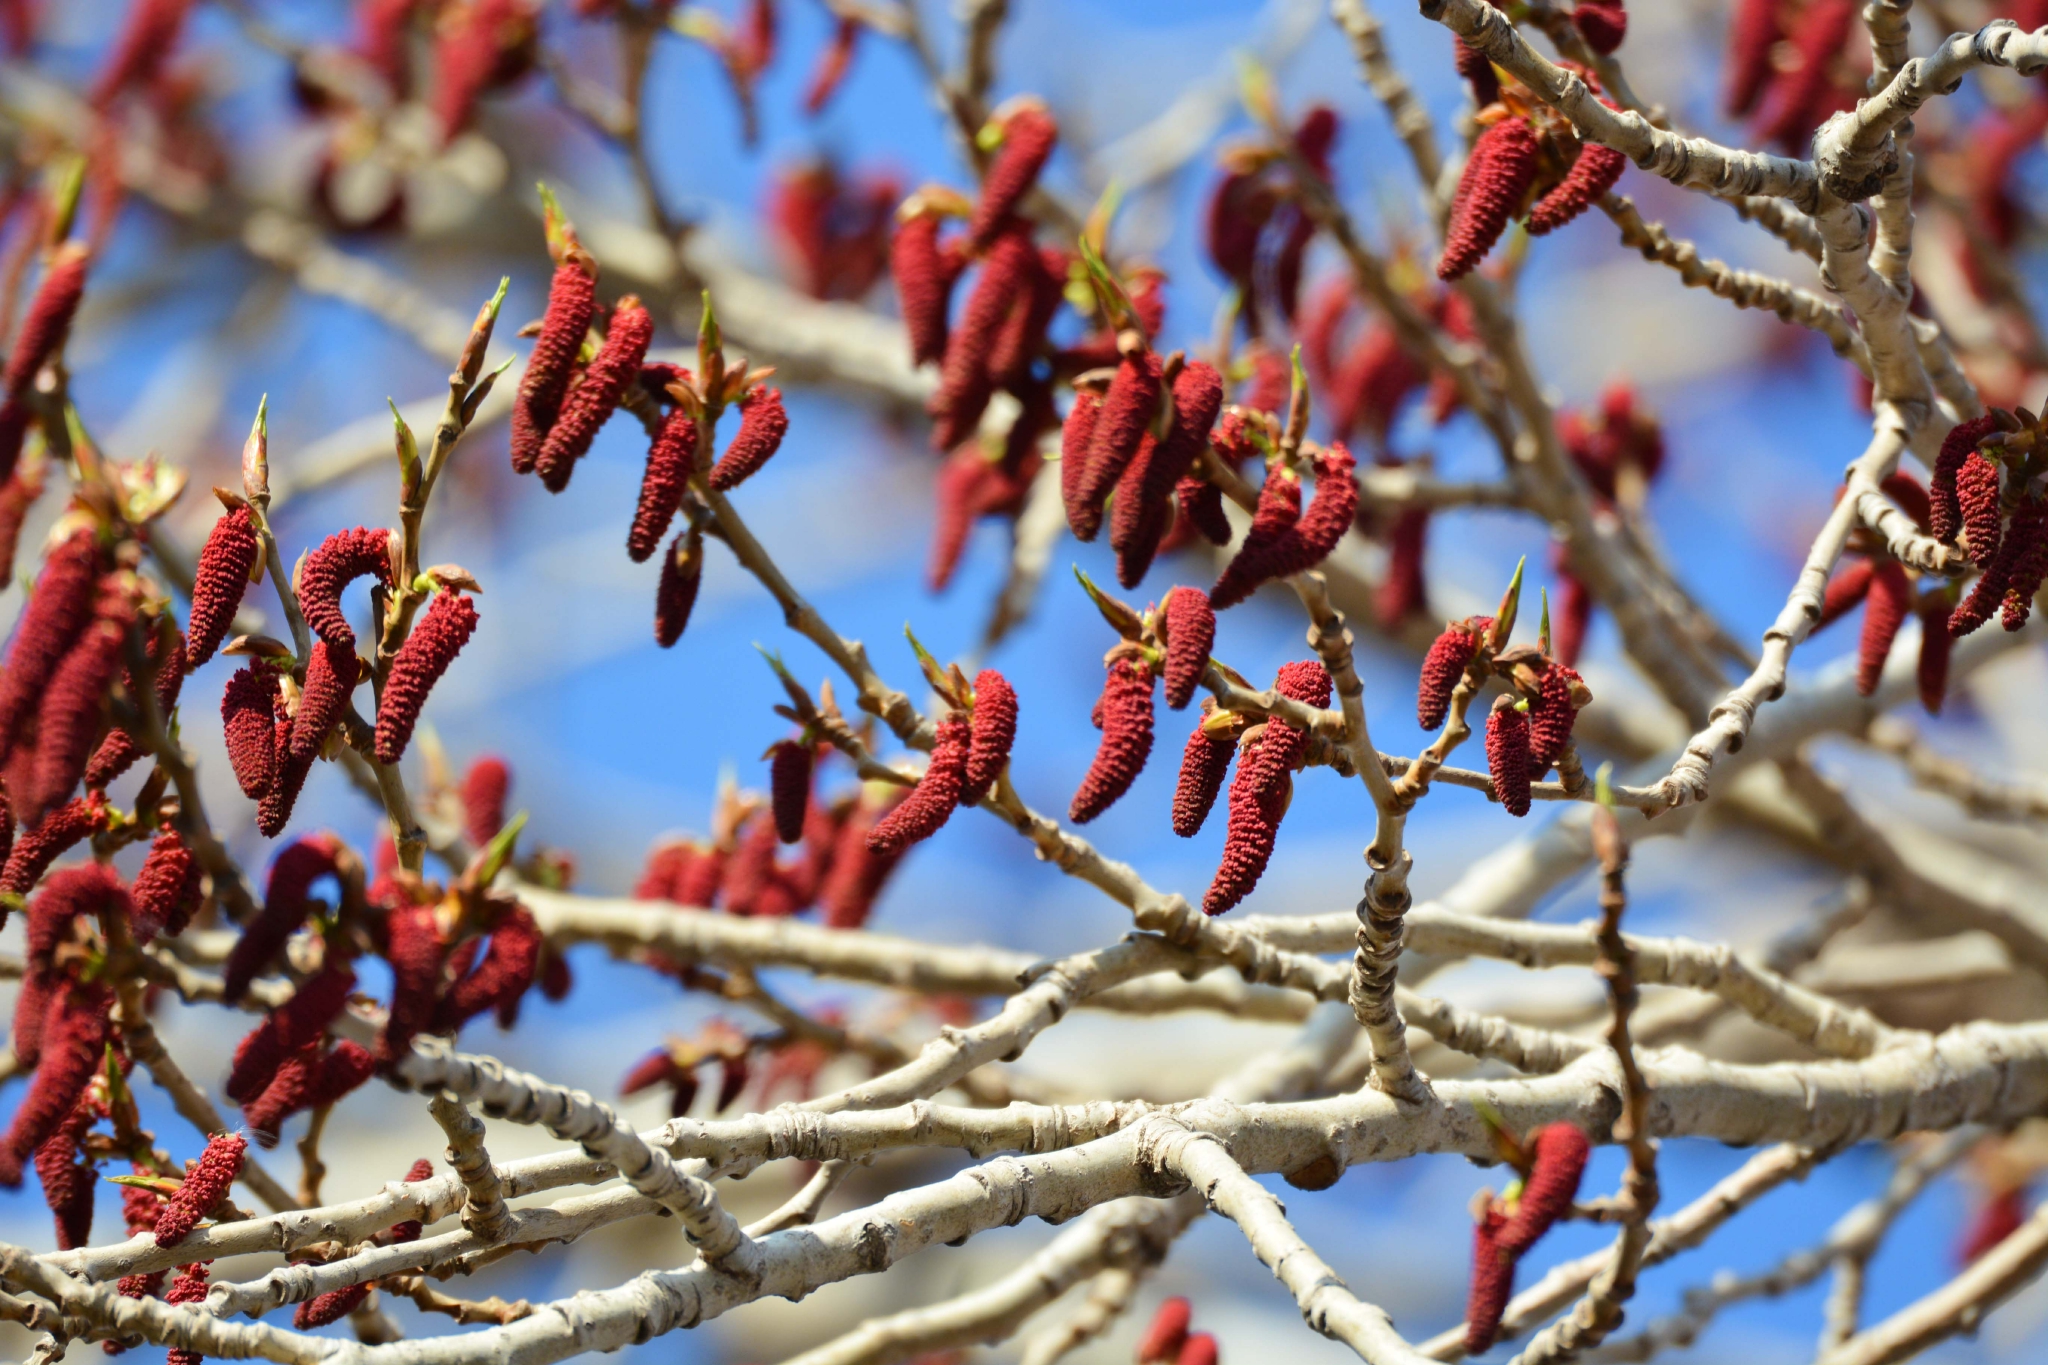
x: 288, y: 1028
x: 1493, y: 1283
x: 72, y: 709
x: 1201, y: 502
x: 1574, y: 614
x: 1077, y: 433
x: 1128, y: 407
x: 1935, y: 645
x: 1945, y: 511
x: 343, y: 1069
x: 1496, y: 179
x: 68, y: 1180
x: 961, y: 490
x: 1442, y: 667
x: 283, y: 1094
x: 1753, y: 30
x: 1593, y: 174
x: 1143, y: 493
x: 330, y: 679
x: 682, y: 570
x: 932, y: 801
x: 857, y: 874
x: 669, y: 459
x: 1891, y: 596
x: 572, y: 299
x: 2028, y: 532
x: 1905, y: 490
x: 285, y: 907
x: 1999, y: 1218
x: 330, y: 1307
x: 435, y: 641
x: 1477, y: 71
x: 73, y: 1038
x: 1126, y: 740
x: 1259, y: 793
x: 994, y: 731
x: 1278, y: 510
x: 218, y: 582
x: 144, y: 44
x: 1190, y: 635
x: 1203, y: 765
x: 504, y: 973
x: 484, y: 788
x: 18, y: 493
x: 341, y: 559
x: 1558, y: 1162
x: 1552, y: 715
x: 189, y: 1287
x: 595, y: 397
x: 750, y: 873
x: 1602, y: 23
x: 48, y: 320
x: 167, y: 890
x: 1199, y: 1349
x: 763, y: 423
x: 966, y: 372
x: 120, y: 750
x: 416, y: 952
x: 1988, y: 593
x: 411, y: 1228
x: 1977, y: 494
x: 1167, y: 1332
x: 247, y: 706
x: 1845, y: 592
x: 1028, y: 137
x: 1328, y: 516
x: 1507, y: 755
x: 57, y: 613
x: 36, y: 849
x: 924, y: 284
x: 206, y: 1184
x: 789, y: 786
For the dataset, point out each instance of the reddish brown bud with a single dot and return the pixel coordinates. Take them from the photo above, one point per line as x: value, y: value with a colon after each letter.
x: 1477, y: 71
x: 1201, y: 502
x: 1552, y: 715
x: 1945, y: 512
x: 1442, y: 667
x: 168, y: 888
x: 247, y: 705
x: 937, y: 793
x: 590, y: 403
x: 48, y: 320
x: 669, y: 459
x: 1167, y: 1332
x: 1128, y: 408
x: 994, y: 731
x: 966, y: 373
x: 1507, y: 755
x: 1977, y: 493
x: 37, y: 848
x: 924, y: 274
x: 1126, y: 740
x: 1278, y: 511
x: 1593, y: 173
x: 1845, y: 592
x: 763, y: 422
x: 205, y: 1186
x: 73, y: 1037
x: 1559, y: 1158
x: 1028, y: 138
x: 1203, y: 765
x: 682, y: 570
x: 218, y: 582
x: 341, y: 559
x: 286, y: 1030
x: 1190, y: 635
x: 572, y: 299
x: 285, y: 908
x: 57, y: 613
x: 1602, y: 23
x: 1496, y: 179
x: 435, y: 641
x: 1885, y: 611
x: 484, y: 788
x: 1493, y: 1283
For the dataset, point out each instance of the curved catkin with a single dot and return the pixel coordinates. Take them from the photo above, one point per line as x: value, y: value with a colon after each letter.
x: 139, y: 51
x: 1496, y: 179
x: 1126, y: 740
x: 1190, y: 635
x: 1203, y: 765
x: 960, y: 488
x: 857, y: 874
x: 1753, y: 30
x: 669, y: 459
x: 73, y: 1038
x: 218, y: 582
x: 484, y: 788
x: 572, y: 299
x: 1945, y: 512
x: 283, y: 1094
x: 168, y: 889
x: 1977, y: 494
x: 246, y: 707
x: 1560, y: 1153
x: 206, y: 1184
x: 994, y: 731
x: 1077, y: 433
x: 285, y: 907
x: 1328, y: 516
x: 1845, y: 592
x: 435, y: 641
x: 2027, y: 535
x: 57, y: 613
x: 1987, y: 594
x: 1201, y: 502
x: 343, y: 1069
x: 500, y: 978
x: 1028, y: 137
x: 48, y: 319
x: 594, y: 397
x: 341, y: 559
x: 1507, y: 755
x: 1552, y: 715
x: 1278, y: 510
x: 682, y: 570
x: 1891, y: 596
x: 789, y: 787
x: 1493, y: 1283
x: 301, y: 1020
x: 330, y: 679
x: 763, y: 423
x: 932, y: 801
x: 1449, y: 655
x: 1144, y: 494
x: 966, y: 374
x: 1593, y: 174
x: 1905, y: 490
x: 35, y: 849
x: 924, y: 285
x: 1128, y: 407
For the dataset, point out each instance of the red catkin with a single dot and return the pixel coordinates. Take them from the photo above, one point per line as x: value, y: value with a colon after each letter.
x: 1167, y: 1332
x: 1199, y: 1349
x: 924, y: 285
x: 73, y: 1038
x: 789, y: 787
x: 1891, y: 596
x: 48, y: 320
x: 1496, y: 179
x: 1593, y: 174
x: 857, y: 874
x: 763, y: 422
x: 595, y: 397
x: 2028, y: 532
x: 1143, y: 494
x: 1845, y: 592
x: 1931, y: 671
x: 1753, y: 31
x: 1128, y: 408
x: 484, y: 788
x: 17, y: 494
x: 1190, y: 635
x: 572, y: 299
x: 205, y: 1186
x: 1602, y: 23
x: 1945, y: 512
x: 219, y: 580
x: 140, y: 50
x: 341, y: 559
x: 1477, y: 71
x: 1999, y: 1218
x: 966, y: 373
x: 937, y: 793
x: 1552, y: 715
x: 1028, y: 137
x: 416, y: 952
x: 1203, y: 765
x: 1077, y: 433
x: 189, y: 1287
x: 72, y: 709
x: 1574, y: 614
x: 961, y: 488
x: 1201, y: 502
x: 345, y: 1068
x: 1404, y: 593
x: 682, y: 570
x: 1559, y: 1158
x: 1328, y: 516
x: 247, y: 705
x: 37, y: 848
x: 505, y: 971
x: 1977, y: 494
x: 1442, y: 667
x: 168, y: 888
x: 1507, y: 755
x: 1278, y: 510
x: 435, y: 641
x: 669, y: 459
x: 288, y: 1028
x: 57, y: 613
x: 1987, y: 594
x: 993, y: 732
x: 285, y: 907
x: 1493, y: 1283
x: 1126, y: 740
x: 67, y: 1180
x: 330, y: 1307
x: 120, y: 750
x: 330, y: 679
x: 283, y: 1094
x: 1905, y: 490
x: 1258, y: 796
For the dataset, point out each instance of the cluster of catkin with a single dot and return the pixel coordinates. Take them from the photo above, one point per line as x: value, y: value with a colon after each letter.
x: 1551, y: 1162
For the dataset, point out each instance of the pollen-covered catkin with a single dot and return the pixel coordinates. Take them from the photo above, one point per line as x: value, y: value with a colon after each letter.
x: 1559, y: 1161
x: 669, y: 458
x: 682, y: 570
x: 924, y: 285
x: 218, y: 582
x: 1190, y: 635
x: 572, y: 299
x: 1507, y: 755
x: 1497, y: 176
x: 763, y: 423
x: 247, y: 706
x: 595, y: 397
x: 1593, y: 174
x: 206, y: 1184
x: 1028, y: 137
x: 1945, y: 511
x: 1884, y: 611
x: 1977, y: 494
x: 994, y: 731
x: 1126, y: 740
x: 426, y: 654
x: 1442, y: 668
x: 1203, y: 765
x: 932, y: 801
x: 789, y: 786
x: 341, y: 559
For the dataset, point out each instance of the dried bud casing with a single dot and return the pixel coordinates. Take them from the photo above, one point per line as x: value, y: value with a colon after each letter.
x: 1126, y: 740
x: 1190, y: 635
x: 426, y: 654
x: 931, y: 803
x: 994, y: 732
x: 1496, y: 179
x: 1508, y: 758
